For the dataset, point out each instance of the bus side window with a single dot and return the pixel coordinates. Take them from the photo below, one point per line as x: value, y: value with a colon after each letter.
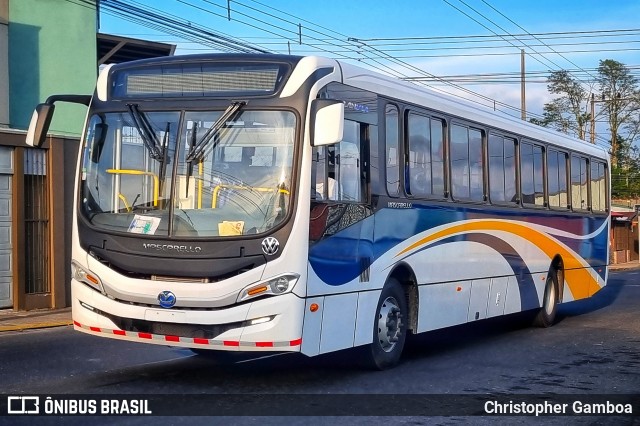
x: 531, y: 173
x: 337, y: 173
x: 460, y: 161
x: 579, y: 197
x: 598, y: 186
x: 502, y: 169
x: 346, y: 165
x: 557, y: 179
x: 467, y: 163
x: 391, y: 150
x: 323, y: 183
x: 347, y: 172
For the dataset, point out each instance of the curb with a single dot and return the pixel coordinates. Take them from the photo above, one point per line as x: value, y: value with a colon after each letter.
x: 33, y: 326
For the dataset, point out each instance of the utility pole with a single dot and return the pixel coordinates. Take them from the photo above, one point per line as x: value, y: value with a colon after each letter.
x: 523, y: 102
x: 593, y: 119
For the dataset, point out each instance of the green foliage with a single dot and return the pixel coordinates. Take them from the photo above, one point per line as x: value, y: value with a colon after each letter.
x: 625, y: 175
x: 568, y: 112
x: 618, y: 102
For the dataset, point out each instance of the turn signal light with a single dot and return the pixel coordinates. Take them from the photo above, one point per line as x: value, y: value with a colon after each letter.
x: 257, y: 290
x: 272, y: 287
x: 86, y: 276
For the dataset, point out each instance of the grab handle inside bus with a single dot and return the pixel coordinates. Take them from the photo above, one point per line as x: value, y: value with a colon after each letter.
x: 327, y: 121
x: 43, y: 113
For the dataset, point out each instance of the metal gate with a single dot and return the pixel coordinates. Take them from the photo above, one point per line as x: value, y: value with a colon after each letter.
x: 6, y: 243
x: 36, y: 214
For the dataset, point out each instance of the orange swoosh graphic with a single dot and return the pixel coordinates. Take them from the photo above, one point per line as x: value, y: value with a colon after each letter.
x: 580, y: 281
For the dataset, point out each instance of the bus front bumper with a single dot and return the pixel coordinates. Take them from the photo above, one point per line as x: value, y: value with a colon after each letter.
x: 269, y: 324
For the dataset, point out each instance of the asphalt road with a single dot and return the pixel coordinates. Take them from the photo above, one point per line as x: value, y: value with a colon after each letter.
x: 592, y: 350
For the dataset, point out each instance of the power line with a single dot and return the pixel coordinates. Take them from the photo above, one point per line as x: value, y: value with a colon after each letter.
x: 366, y: 53
x: 498, y: 26
x: 591, y: 33
x: 561, y: 55
x: 141, y: 14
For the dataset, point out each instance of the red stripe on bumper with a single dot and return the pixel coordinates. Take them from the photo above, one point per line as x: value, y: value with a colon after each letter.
x: 196, y: 340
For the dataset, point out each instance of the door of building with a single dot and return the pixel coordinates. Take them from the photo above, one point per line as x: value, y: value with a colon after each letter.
x: 6, y: 243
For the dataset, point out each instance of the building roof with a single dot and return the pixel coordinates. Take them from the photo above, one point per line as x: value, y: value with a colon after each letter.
x: 116, y: 49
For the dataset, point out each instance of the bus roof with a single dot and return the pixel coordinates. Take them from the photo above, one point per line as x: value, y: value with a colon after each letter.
x: 404, y: 91
x: 393, y: 88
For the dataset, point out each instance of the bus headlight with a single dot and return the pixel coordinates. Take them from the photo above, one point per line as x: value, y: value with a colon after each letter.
x: 85, y: 276
x: 274, y: 286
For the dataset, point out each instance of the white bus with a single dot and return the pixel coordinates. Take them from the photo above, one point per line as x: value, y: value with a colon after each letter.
x: 282, y: 203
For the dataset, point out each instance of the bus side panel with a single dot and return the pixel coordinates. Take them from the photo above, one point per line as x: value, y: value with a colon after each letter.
x: 479, y: 299
x: 338, y: 325
x: 312, y: 327
x: 443, y: 305
x: 497, y: 296
x: 513, y: 301
x: 367, y: 305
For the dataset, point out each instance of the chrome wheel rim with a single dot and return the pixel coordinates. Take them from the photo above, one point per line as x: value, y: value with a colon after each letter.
x: 389, y: 324
x: 550, y: 299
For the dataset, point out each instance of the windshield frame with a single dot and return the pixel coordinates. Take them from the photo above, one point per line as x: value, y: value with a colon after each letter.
x: 199, y: 106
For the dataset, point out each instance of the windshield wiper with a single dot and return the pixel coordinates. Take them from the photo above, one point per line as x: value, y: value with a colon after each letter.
x: 146, y: 132
x: 192, y: 145
x: 197, y: 152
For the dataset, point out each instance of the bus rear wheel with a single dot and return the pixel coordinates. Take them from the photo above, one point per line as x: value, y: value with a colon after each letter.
x: 546, y: 316
x: 389, y: 327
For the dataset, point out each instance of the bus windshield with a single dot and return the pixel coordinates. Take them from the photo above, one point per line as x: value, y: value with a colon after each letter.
x: 188, y: 174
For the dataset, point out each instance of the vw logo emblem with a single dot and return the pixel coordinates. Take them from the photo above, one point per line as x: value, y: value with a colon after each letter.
x: 270, y: 246
x: 167, y: 299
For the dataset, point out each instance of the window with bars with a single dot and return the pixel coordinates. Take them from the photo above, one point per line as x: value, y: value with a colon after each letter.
x: 36, y: 214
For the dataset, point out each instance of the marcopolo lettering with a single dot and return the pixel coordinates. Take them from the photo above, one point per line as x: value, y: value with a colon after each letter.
x: 179, y: 248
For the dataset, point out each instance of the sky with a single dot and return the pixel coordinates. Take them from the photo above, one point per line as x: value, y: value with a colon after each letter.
x: 428, y: 37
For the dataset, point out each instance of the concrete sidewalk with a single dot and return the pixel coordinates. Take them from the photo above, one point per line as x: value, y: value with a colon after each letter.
x: 43, y: 318
x: 40, y: 318
x: 624, y: 266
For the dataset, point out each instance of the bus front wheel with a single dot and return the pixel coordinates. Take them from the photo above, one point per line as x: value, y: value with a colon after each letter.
x: 546, y: 316
x: 389, y: 327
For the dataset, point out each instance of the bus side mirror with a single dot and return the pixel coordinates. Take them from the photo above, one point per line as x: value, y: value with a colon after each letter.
x: 39, y: 125
x: 41, y: 118
x: 327, y: 122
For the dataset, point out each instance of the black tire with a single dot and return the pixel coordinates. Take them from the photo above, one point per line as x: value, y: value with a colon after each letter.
x: 389, y: 327
x: 546, y: 316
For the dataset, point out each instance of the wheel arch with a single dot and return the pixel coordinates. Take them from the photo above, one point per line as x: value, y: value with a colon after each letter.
x: 407, y: 278
x: 557, y: 267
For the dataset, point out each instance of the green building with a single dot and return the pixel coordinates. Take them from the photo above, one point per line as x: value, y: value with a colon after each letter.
x: 46, y: 47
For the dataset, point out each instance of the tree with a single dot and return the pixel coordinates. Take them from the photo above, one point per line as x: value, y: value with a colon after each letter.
x: 567, y: 113
x: 621, y: 101
x: 625, y: 175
